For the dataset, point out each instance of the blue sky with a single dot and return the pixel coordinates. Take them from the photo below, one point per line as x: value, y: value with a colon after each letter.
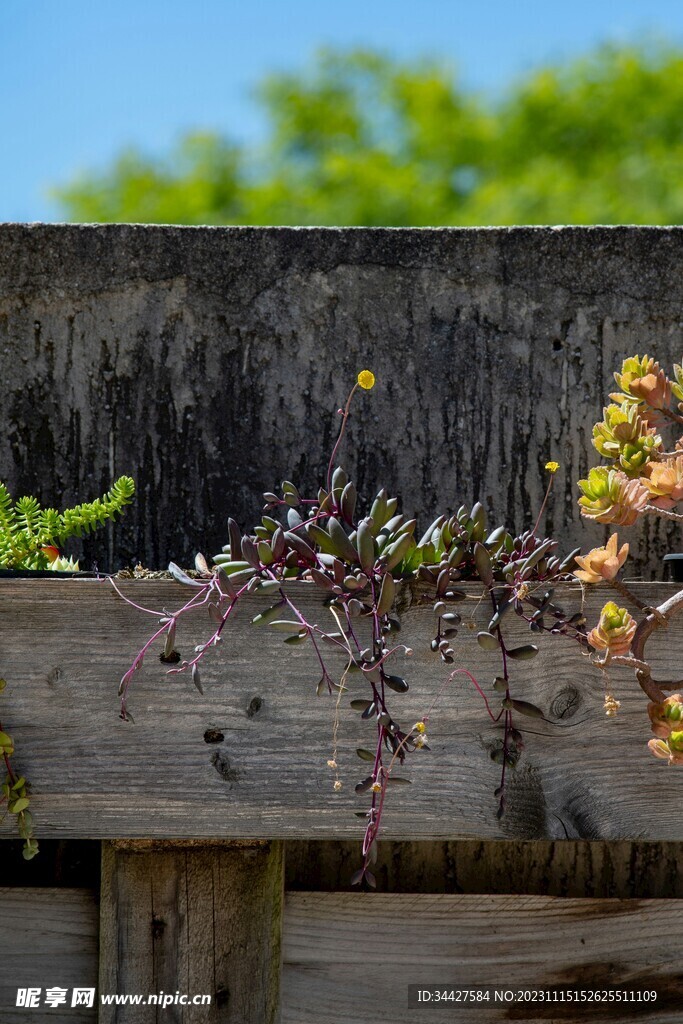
x: 80, y: 79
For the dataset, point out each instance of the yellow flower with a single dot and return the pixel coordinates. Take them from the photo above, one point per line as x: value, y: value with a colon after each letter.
x: 420, y: 727
x: 602, y: 563
x: 552, y: 467
x: 366, y: 379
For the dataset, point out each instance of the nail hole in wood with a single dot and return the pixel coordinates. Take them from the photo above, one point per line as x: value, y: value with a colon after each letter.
x: 254, y: 707
x: 213, y: 736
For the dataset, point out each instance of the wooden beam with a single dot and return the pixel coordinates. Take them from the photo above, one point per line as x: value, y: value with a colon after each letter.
x: 248, y: 758
x: 562, y: 867
x: 359, y: 952
x: 49, y: 940
x: 194, y: 919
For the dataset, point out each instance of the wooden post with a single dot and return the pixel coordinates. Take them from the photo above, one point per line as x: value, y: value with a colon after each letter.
x: 191, y: 917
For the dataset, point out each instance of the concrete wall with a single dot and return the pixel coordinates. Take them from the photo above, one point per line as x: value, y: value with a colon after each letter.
x: 208, y: 362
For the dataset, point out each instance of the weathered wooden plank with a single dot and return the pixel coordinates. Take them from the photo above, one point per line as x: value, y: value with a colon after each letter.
x: 65, y: 645
x: 562, y: 867
x: 359, y: 952
x: 196, y: 919
x: 49, y: 940
x: 179, y: 354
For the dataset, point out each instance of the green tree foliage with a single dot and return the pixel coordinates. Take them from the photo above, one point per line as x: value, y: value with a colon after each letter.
x: 363, y: 139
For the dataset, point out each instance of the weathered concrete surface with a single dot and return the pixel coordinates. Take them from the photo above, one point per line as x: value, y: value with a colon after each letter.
x: 207, y: 363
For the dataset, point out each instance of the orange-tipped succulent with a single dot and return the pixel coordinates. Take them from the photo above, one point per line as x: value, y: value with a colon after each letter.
x: 666, y: 717
x: 615, y: 630
x: 642, y: 380
x: 626, y: 437
x: 602, y: 563
x: 610, y: 497
x: 653, y: 389
x: 664, y: 480
x: 670, y: 749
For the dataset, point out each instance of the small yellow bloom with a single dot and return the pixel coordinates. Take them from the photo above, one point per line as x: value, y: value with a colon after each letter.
x: 552, y: 467
x: 331, y: 763
x: 366, y: 379
x: 420, y: 727
x: 376, y: 787
x: 337, y: 786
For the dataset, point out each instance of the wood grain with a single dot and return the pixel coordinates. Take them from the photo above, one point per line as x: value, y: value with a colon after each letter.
x: 359, y: 952
x: 201, y: 920
x: 208, y: 363
x: 639, y: 869
x: 65, y: 645
x: 49, y: 939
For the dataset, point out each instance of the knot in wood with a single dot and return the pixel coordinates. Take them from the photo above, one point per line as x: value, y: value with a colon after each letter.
x: 255, y: 706
x: 213, y: 736
x: 566, y: 703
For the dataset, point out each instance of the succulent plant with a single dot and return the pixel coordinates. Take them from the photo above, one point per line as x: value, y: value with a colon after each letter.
x: 626, y: 437
x: 16, y: 793
x: 642, y: 380
x: 615, y: 630
x: 645, y: 481
x: 28, y: 533
x: 602, y: 564
x: 610, y: 497
x: 357, y: 556
x: 666, y: 717
x: 677, y: 385
x: 670, y: 749
x: 664, y: 481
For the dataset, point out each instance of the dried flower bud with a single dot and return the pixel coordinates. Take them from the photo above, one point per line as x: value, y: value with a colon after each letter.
x: 611, y: 705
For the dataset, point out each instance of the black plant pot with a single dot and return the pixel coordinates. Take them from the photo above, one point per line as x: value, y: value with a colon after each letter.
x: 673, y: 568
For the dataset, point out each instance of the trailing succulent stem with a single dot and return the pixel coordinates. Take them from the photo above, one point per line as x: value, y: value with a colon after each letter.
x: 642, y: 478
x: 357, y: 560
x: 29, y: 534
x: 15, y: 793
